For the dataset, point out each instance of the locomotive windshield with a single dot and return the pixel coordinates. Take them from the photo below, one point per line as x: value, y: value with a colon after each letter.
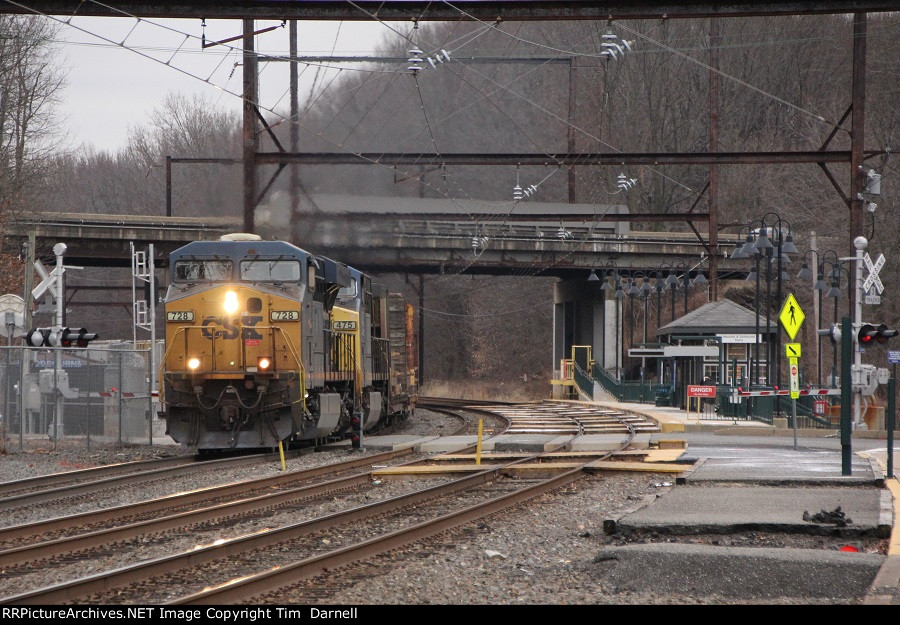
x: 195, y: 270
x: 348, y: 292
x: 263, y: 270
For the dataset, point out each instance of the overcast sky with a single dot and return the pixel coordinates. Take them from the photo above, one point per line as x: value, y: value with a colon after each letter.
x: 111, y: 88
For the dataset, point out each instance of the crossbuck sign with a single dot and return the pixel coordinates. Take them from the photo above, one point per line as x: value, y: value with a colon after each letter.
x: 873, y: 278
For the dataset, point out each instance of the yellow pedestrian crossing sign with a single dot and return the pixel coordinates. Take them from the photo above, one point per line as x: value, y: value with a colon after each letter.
x: 792, y: 350
x: 791, y: 316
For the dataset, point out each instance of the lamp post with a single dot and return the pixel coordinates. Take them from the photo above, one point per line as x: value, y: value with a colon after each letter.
x: 760, y: 236
x: 685, y: 282
x: 659, y: 286
x: 749, y: 250
x: 836, y: 268
x: 645, y: 289
x: 631, y: 291
x: 820, y: 285
x: 806, y: 273
x: 671, y: 283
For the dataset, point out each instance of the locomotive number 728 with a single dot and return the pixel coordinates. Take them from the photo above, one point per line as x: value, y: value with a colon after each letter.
x: 285, y: 315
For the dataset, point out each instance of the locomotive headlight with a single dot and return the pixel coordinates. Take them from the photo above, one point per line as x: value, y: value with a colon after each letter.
x: 264, y: 363
x: 193, y: 364
x: 231, y: 302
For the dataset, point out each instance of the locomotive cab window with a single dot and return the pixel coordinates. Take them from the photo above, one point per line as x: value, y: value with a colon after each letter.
x: 203, y: 270
x: 262, y: 270
x: 348, y: 292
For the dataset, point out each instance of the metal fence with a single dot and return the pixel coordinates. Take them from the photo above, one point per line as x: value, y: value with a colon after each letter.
x: 100, y: 394
x: 632, y: 390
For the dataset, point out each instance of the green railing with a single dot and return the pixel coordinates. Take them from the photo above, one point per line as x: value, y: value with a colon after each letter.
x: 764, y: 408
x: 582, y: 380
x: 630, y: 390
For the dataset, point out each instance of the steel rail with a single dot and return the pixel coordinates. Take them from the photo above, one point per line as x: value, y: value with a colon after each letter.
x: 43, y: 481
x: 104, y: 537
x: 65, y: 492
x: 248, y: 587
x: 169, y: 501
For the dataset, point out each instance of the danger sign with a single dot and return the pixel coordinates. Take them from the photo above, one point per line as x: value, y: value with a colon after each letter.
x: 701, y: 391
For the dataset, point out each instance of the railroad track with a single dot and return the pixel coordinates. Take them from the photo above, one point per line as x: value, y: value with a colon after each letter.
x: 282, y: 553
x: 462, y: 410
x: 29, y: 492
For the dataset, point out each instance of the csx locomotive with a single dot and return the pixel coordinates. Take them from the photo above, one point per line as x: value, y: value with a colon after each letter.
x: 267, y: 343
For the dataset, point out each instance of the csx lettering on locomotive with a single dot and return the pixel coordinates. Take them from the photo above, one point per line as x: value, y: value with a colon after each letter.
x: 231, y: 325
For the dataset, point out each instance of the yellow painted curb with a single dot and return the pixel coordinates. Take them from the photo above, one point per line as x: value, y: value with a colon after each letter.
x: 894, y: 548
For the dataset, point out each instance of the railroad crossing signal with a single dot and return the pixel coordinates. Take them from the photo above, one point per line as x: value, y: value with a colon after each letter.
x: 791, y: 316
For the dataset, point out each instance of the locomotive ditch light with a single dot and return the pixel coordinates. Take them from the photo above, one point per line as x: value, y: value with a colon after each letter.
x: 193, y: 364
x: 264, y: 363
x: 231, y: 302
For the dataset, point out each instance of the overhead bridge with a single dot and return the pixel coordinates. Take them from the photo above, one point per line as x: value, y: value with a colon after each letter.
x: 367, y: 240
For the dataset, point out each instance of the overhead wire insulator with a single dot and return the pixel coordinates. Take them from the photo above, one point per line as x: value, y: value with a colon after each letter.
x: 613, y: 47
x: 415, y: 60
x: 517, y: 193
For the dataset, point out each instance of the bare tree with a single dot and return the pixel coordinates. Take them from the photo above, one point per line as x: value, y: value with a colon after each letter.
x: 31, y: 83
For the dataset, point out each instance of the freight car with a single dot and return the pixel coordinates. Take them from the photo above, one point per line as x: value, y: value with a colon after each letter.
x: 267, y: 344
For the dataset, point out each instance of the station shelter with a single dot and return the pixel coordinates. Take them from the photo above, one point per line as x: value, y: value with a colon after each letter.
x: 715, y: 344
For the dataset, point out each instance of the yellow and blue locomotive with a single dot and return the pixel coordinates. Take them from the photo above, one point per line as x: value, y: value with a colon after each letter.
x: 267, y: 343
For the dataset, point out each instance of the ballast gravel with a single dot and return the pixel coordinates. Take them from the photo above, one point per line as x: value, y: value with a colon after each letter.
x: 539, y: 553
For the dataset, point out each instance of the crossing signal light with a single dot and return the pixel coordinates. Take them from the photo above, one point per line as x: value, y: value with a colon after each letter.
x: 866, y: 334
x: 884, y: 333
x: 356, y: 430
x: 870, y: 334
x: 77, y: 337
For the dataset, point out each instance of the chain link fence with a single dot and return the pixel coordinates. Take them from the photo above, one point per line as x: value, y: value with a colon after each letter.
x: 97, y: 395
